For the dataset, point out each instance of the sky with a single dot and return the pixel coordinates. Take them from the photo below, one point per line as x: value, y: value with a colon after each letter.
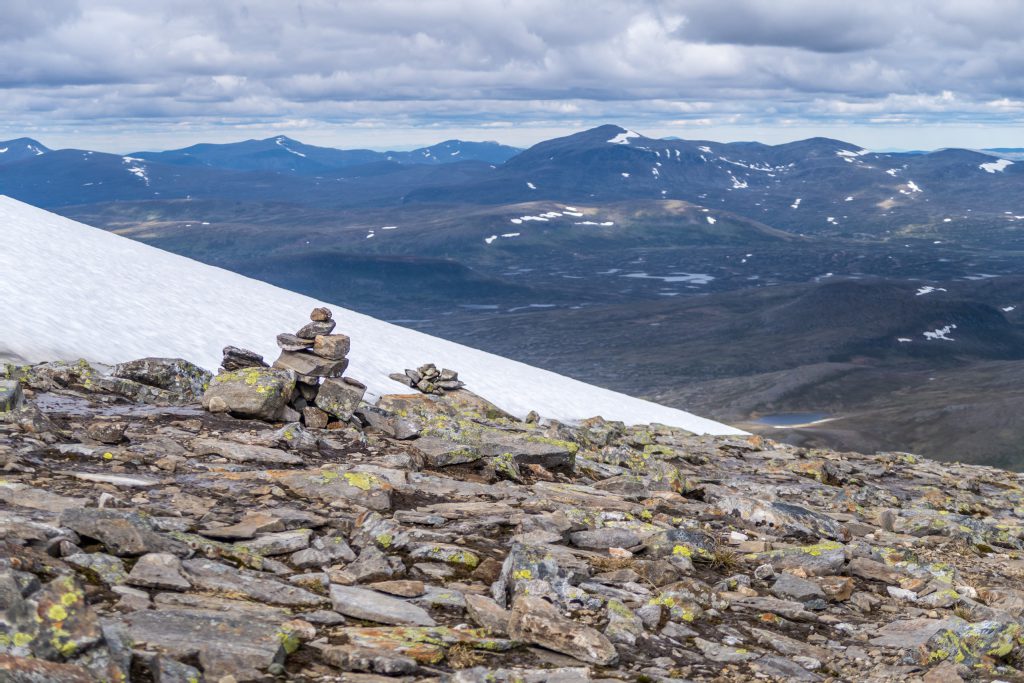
x: 124, y: 75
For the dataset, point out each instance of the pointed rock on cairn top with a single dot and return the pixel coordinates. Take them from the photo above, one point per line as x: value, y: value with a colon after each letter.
x: 305, y: 382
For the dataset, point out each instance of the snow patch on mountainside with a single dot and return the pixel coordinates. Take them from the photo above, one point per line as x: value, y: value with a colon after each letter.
x: 996, y: 166
x: 623, y: 137
x: 71, y: 291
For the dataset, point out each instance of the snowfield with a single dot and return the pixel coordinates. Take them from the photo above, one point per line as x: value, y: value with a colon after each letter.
x: 72, y: 291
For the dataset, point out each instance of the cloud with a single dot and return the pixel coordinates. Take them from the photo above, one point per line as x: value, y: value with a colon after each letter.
x: 74, y: 65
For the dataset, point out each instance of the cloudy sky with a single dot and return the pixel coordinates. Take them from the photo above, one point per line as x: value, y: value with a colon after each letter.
x: 123, y: 75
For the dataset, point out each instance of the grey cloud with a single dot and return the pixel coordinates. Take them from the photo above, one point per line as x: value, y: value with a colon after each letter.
x: 428, y: 62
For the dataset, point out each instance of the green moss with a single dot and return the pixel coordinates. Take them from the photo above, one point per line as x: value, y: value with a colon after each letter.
x: 522, y: 574
x: 385, y: 540
x: 289, y: 641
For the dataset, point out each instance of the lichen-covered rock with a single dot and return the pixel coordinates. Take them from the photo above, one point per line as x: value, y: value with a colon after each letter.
x: 182, y: 380
x: 11, y: 396
x: 340, y: 396
x: 252, y: 392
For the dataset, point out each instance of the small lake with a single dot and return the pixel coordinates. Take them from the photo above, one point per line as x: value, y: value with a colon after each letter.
x: 790, y: 419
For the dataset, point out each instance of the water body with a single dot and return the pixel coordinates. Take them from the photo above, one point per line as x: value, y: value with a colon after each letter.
x: 790, y: 419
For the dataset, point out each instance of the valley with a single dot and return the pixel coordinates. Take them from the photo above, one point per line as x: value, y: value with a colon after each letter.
x: 734, y: 280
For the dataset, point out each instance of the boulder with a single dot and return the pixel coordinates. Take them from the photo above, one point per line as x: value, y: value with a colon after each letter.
x: 252, y: 392
x: 534, y: 620
x: 340, y: 397
x: 360, y: 603
x: 11, y: 396
x: 184, y: 381
x: 315, y: 328
x: 333, y: 346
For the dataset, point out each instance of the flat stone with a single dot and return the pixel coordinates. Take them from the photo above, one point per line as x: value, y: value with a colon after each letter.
x: 252, y: 524
x: 911, y: 633
x: 821, y: 559
x: 213, y: 576
x: 22, y: 495
x: 534, y: 620
x: 237, y: 359
x: 122, y: 532
x: 227, y: 642
x: 785, y: 519
x: 440, y: 452
x: 315, y: 328
x: 158, y: 570
x: 604, y: 538
x: 360, y: 603
x: 403, y: 589
x: 340, y: 397
x: 332, y: 346
x: 113, y: 479
x: 280, y: 542
x: 290, y: 342
x: 332, y: 484
x: 324, y: 551
x: 789, y: 586
x: 247, y: 453
x: 310, y: 365
x: 32, y: 670
x: 250, y: 392
x: 488, y: 614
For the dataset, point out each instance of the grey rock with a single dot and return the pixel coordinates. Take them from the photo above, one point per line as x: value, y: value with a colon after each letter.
x: 158, y: 570
x: 11, y: 396
x: 350, y: 658
x: 213, y: 576
x: 310, y: 365
x: 325, y: 550
x: 252, y: 524
x: 237, y: 359
x: 316, y: 328
x: 291, y: 342
x: 360, y: 603
x: 123, y: 533
x: 227, y: 642
x: 315, y: 418
x: 332, y: 346
x: 912, y: 633
x: 340, y: 397
x: 239, y: 452
x: 488, y: 614
x: 167, y: 670
x: 280, y: 542
x: 536, y: 621
x: 604, y: 538
x: 107, y: 431
x: 321, y: 314
x: 789, y: 586
x: 250, y: 392
x: 183, y: 381
x: 371, y: 565
x: 99, y: 566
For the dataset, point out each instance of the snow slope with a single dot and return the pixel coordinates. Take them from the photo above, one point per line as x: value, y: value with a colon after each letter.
x: 71, y: 291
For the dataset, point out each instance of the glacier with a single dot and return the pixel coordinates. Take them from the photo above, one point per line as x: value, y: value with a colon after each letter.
x: 69, y: 291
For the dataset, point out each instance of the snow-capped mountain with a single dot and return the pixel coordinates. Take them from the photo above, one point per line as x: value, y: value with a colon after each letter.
x: 72, y: 291
x: 21, y: 148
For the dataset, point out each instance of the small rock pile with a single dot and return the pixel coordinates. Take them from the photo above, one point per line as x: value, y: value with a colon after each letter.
x: 428, y: 379
x: 304, y: 384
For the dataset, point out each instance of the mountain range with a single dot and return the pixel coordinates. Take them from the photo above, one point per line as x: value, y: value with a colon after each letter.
x: 706, y: 274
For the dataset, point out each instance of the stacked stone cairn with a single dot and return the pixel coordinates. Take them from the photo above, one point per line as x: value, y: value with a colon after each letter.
x: 305, y: 383
x: 428, y: 379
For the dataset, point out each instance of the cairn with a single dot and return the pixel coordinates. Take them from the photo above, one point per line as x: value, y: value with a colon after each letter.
x: 428, y: 379
x: 318, y: 359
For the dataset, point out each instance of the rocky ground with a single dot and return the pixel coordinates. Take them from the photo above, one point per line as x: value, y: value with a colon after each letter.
x: 431, y: 537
